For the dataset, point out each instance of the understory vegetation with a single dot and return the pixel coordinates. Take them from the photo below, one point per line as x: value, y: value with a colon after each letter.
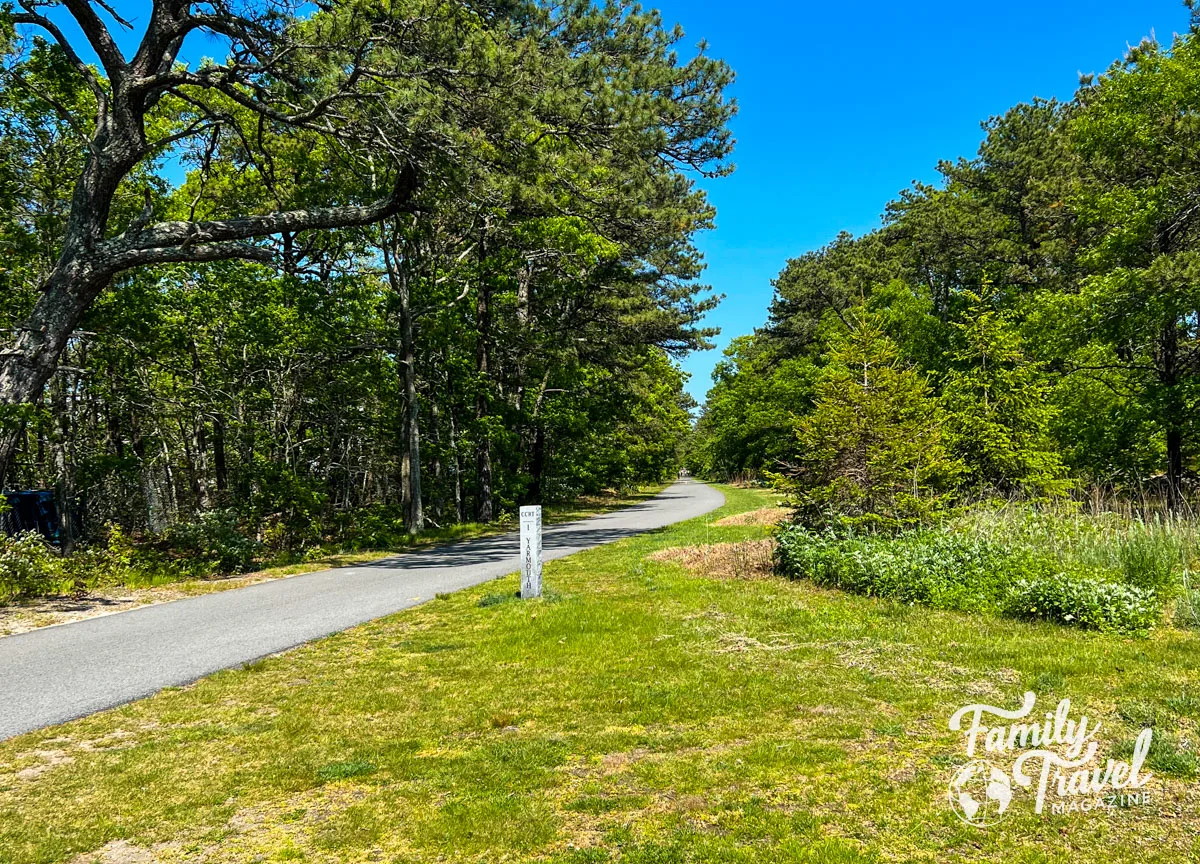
x: 1105, y: 572
x: 643, y: 711
x: 953, y: 568
x: 989, y: 403
x: 218, y: 545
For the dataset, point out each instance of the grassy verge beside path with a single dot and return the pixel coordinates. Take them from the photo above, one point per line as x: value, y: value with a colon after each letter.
x: 641, y: 712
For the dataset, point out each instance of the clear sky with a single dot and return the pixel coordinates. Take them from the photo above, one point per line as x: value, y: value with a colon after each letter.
x: 843, y: 104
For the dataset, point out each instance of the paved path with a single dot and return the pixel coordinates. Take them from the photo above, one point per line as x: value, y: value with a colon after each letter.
x: 55, y: 674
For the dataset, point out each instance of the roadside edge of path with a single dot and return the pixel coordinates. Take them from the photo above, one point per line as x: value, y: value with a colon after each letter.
x: 176, y: 592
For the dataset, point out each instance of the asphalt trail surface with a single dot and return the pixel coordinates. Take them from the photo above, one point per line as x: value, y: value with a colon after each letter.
x: 56, y: 674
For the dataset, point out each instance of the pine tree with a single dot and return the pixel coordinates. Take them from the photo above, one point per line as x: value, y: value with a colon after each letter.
x: 999, y: 409
x: 872, y: 452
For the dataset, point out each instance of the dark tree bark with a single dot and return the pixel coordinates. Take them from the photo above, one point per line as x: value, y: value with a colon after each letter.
x: 398, y: 264
x: 64, y: 485
x: 219, y: 465
x: 484, y: 508
x: 537, y: 455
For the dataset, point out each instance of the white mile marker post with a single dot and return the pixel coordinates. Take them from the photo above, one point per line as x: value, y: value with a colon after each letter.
x: 531, y: 552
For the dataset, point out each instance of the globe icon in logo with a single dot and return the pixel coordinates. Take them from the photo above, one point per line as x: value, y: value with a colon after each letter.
x: 980, y: 793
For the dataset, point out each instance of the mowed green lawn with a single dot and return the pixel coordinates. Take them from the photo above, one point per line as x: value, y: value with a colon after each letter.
x: 640, y: 713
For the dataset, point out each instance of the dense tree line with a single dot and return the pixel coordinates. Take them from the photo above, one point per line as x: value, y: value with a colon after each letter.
x: 1026, y: 326
x: 427, y: 260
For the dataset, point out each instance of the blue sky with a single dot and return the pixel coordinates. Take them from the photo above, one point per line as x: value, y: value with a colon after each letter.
x: 844, y: 104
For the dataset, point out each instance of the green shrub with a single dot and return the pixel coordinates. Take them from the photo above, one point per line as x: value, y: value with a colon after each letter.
x: 216, y: 537
x: 935, y: 569
x: 110, y: 564
x: 1089, y: 603
x: 948, y: 570
x: 377, y: 527
x: 29, y: 567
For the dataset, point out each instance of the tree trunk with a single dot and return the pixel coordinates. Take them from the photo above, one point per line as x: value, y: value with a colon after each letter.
x: 483, y: 447
x: 1174, y: 467
x: 537, y: 458
x: 398, y: 267
x: 10, y: 443
x: 438, y: 487
x: 458, y: 484
x: 537, y: 466
x: 64, y: 486
x: 219, y: 466
x: 414, y: 515
x: 1172, y: 412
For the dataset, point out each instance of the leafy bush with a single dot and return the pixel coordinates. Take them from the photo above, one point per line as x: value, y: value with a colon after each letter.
x: 377, y: 527
x: 29, y: 567
x: 935, y: 569
x: 290, y: 509
x: 1089, y: 603
x: 216, y: 537
x: 110, y: 564
x: 946, y: 570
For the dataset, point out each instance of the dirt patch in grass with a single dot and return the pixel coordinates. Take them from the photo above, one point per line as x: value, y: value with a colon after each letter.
x: 117, y: 852
x: 749, y: 559
x: 47, y: 759
x: 740, y: 643
x: 762, y: 516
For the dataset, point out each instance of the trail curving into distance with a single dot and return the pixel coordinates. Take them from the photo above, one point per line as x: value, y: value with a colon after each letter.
x: 59, y: 673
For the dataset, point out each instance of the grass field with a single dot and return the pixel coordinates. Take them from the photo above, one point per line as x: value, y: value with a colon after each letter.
x: 641, y: 712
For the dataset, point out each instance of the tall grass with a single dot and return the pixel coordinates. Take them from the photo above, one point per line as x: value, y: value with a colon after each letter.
x: 1149, y: 546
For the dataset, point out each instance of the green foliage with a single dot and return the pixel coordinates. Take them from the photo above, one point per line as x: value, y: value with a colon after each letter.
x: 950, y: 569
x: 1092, y: 604
x: 871, y: 451
x: 109, y: 564
x: 217, y: 538
x: 998, y: 413
x: 512, y: 337
x: 28, y: 567
x: 749, y: 414
x: 932, y: 568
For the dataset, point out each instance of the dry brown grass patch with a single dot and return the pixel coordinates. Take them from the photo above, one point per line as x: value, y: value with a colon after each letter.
x: 761, y: 516
x: 750, y: 559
